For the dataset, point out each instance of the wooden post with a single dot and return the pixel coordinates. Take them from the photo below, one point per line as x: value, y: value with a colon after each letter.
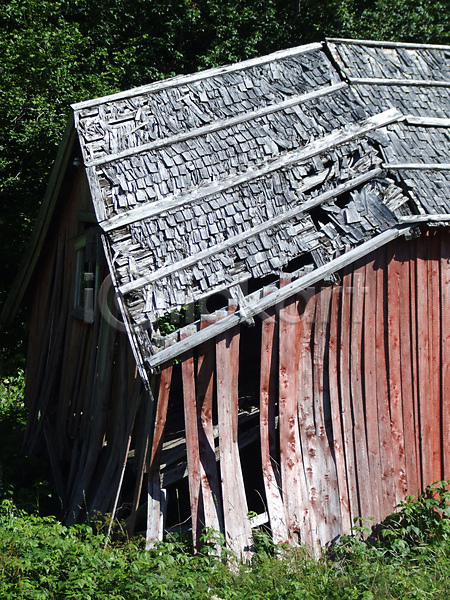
x: 154, y: 532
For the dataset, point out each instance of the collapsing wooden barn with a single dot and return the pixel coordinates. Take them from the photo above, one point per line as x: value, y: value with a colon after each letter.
x: 240, y: 279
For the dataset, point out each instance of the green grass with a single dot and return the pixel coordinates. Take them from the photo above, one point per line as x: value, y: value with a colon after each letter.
x: 41, y: 559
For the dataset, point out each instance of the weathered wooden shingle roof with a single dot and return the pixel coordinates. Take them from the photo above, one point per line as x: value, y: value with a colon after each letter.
x: 203, y: 182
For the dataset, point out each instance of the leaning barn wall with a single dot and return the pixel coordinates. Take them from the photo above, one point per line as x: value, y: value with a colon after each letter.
x: 354, y: 401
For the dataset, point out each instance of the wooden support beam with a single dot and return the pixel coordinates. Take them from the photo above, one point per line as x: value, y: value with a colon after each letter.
x: 417, y: 166
x: 387, y: 44
x: 399, y: 82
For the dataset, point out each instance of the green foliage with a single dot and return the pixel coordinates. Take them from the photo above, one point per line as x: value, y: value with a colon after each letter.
x: 22, y: 477
x: 40, y: 558
x: 421, y: 522
x: 13, y: 416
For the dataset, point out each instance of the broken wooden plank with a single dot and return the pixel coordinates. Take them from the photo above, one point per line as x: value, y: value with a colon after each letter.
x: 236, y: 523
x: 268, y: 399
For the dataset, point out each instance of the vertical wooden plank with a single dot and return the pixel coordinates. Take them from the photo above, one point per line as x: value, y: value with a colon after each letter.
x: 423, y: 355
x: 370, y: 385
x: 268, y: 393
x: 356, y: 388
x: 212, y: 504
x: 413, y: 253
x: 154, y: 533
x: 292, y: 475
x: 335, y: 407
x: 325, y: 474
x: 434, y: 327
x: 445, y: 349
x: 346, y: 404
x: 384, y: 417
x: 236, y: 523
x: 395, y: 385
x: 406, y: 368
x: 192, y: 447
x: 311, y: 462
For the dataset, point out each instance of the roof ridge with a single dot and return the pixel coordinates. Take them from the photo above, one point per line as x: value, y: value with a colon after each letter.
x: 383, y: 44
